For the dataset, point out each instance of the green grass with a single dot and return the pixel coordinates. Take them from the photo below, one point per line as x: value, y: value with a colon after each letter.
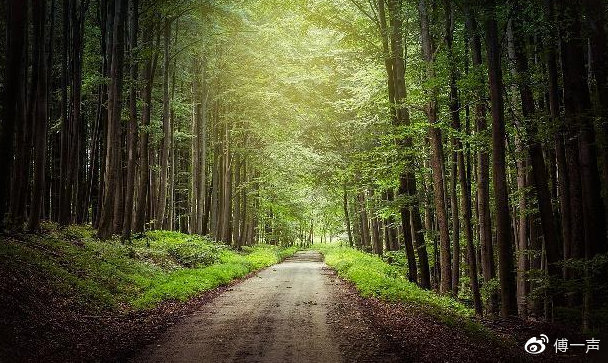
x: 159, y: 266
x: 374, y: 277
x: 182, y: 284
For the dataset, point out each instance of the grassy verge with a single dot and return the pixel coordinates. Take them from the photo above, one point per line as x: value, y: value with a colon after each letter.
x: 375, y: 278
x: 105, y: 275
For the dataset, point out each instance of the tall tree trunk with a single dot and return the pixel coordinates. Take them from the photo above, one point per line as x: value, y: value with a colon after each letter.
x: 465, y: 205
x: 133, y: 116
x: 39, y: 114
x: 347, y: 217
x: 237, y: 200
x: 375, y: 233
x: 199, y: 151
x: 537, y: 160
x: 226, y: 231
x: 14, y: 109
x: 195, y: 151
x: 554, y: 109
x: 407, y: 180
x: 244, y: 204
x: 392, y: 242
x: 170, y: 219
x: 207, y: 211
x: 113, y: 142
x: 506, y: 273
x: 215, y: 185
x: 459, y: 168
x: 456, y: 145
x: 143, y: 182
x: 104, y: 16
x: 578, y: 111
x: 595, y: 11
x: 49, y: 207
x: 161, y: 204
x: 365, y: 233
x: 455, y: 221
x: 81, y: 202
x: 483, y: 177
x: 65, y: 163
x: 203, y: 203
x: 78, y: 126
x: 581, y: 147
x: 522, y: 162
x: 436, y: 154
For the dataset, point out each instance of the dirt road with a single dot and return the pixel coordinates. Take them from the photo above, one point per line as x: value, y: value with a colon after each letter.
x: 300, y: 311
x: 279, y: 315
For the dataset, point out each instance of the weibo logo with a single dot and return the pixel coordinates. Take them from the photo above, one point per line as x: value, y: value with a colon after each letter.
x: 535, y: 345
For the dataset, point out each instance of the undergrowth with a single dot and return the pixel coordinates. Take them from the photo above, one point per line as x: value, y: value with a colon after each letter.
x: 374, y: 277
x: 158, y: 266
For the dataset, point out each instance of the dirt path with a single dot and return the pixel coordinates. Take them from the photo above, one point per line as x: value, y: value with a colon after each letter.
x: 300, y: 311
x: 278, y: 315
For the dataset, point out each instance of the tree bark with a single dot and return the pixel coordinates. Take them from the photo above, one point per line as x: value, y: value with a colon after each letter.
x: 522, y: 163
x: 578, y: 115
x: 365, y: 233
x: 595, y: 11
x: 347, y: 217
x: 113, y: 144
x: 456, y: 145
x: 166, y: 140
x: 143, y: 182
x: 14, y: 109
x: 436, y: 154
x: 39, y: 114
x: 195, y: 151
x: 537, y: 160
x: 375, y: 233
x: 407, y: 180
x: 483, y: 168
x: 506, y: 273
x: 133, y: 116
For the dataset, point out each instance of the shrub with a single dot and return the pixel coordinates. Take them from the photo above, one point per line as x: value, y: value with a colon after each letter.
x: 195, y: 254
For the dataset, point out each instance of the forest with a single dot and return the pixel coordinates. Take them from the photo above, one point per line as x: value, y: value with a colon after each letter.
x: 463, y: 142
